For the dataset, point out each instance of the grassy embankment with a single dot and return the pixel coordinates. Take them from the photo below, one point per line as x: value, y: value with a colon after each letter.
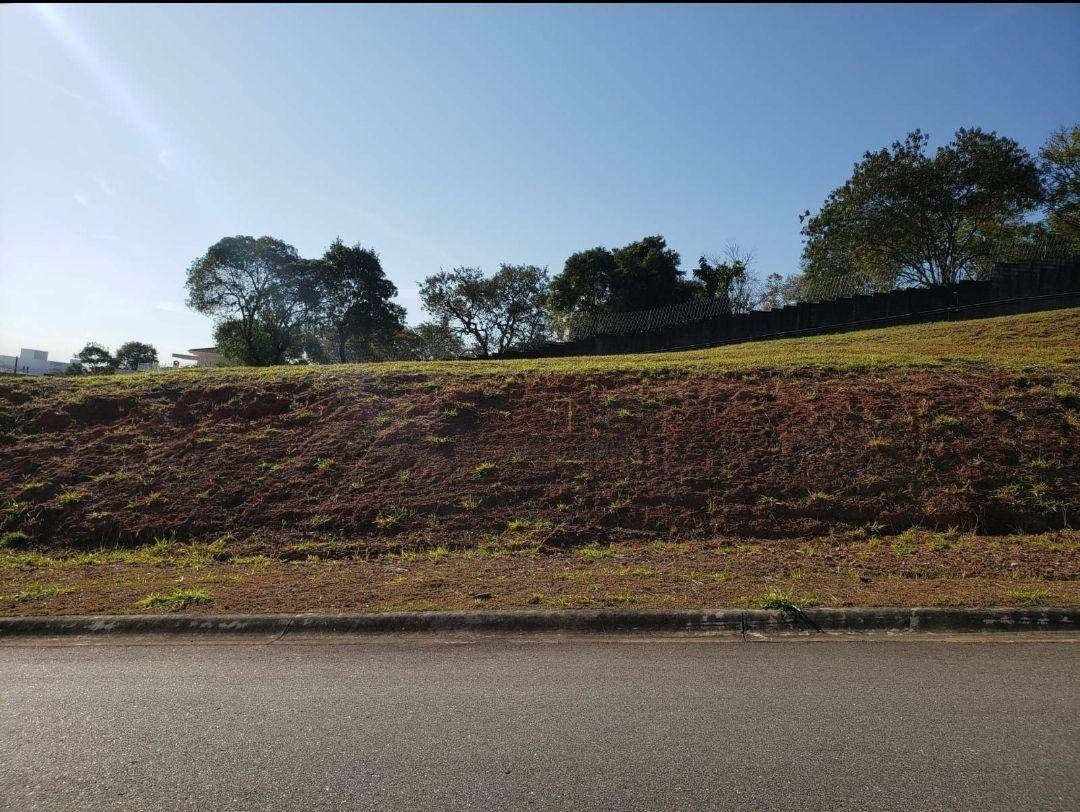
x: 931, y: 464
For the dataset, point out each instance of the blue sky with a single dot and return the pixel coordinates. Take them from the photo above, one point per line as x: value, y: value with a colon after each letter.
x: 133, y: 138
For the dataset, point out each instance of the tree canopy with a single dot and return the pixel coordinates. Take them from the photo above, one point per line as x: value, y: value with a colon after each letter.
x: 494, y: 314
x: 258, y: 289
x: 907, y: 216
x: 131, y: 354
x: 639, y: 276
x: 353, y: 308
x: 1059, y: 163
x: 94, y: 359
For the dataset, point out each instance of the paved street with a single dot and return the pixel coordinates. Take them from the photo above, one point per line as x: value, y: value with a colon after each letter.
x: 579, y: 724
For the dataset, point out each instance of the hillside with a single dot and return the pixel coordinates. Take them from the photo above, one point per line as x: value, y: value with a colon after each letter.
x: 774, y: 463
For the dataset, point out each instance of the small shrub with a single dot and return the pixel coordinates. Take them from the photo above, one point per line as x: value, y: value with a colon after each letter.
x: 948, y: 422
x: 776, y: 598
x: 14, y: 540
x: 175, y: 601
x: 1066, y: 395
x: 484, y: 469
x: 386, y: 521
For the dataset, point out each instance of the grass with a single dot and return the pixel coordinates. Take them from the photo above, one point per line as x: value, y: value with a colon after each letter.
x: 1028, y: 597
x: 1045, y: 339
x: 175, y: 601
x: 37, y: 592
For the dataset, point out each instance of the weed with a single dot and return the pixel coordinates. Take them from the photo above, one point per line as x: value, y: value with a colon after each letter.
x: 624, y: 414
x: 1066, y: 395
x: 72, y: 497
x: 324, y: 463
x: 594, y: 552
x: 484, y: 469
x: 175, y: 601
x: 776, y: 598
x: 1028, y: 597
x: 14, y: 540
x: 438, y: 440
x: 386, y: 521
x: 468, y: 503
x: 37, y: 592
x: 948, y: 422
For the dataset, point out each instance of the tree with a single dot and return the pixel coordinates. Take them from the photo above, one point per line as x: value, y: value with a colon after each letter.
x: 498, y: 313
x: 132, y: 353
x: 778, y: 291
x: 639, y: 276
x: 584, y: 286
x: 428, y: 341
x: 352, y: 301
x: 906, y: 217
x: 95, y: 359
x: 259, y: 288
x: 1059, y: 165
x: 727, y: 279
x: 647, y: 276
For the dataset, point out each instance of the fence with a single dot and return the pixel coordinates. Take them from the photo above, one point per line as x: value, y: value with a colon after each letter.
x: 1027, y: 281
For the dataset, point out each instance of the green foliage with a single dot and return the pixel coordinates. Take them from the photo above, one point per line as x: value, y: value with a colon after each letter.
x: 727, y: 279
x: 175, y: 601
x: 484, y: 469
x: 906, y: 216
x: 37, y: 592
x: 1059, y: 165
x: 428, y: 341
x: 495, y: 314
x: 94, y: 359
x: 14, y: 539
x: 639, y: 276
x: 391, y: 519
x: 259, y: 290
x: 131, y: 354
x: 351, y: 302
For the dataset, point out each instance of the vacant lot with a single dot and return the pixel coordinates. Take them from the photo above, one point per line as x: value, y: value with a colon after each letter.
x: 927, y: 464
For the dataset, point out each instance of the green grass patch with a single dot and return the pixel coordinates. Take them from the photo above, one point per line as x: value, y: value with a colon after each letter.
x: 175, y: 601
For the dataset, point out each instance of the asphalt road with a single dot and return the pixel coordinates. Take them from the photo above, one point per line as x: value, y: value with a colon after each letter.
x: 586, y: 724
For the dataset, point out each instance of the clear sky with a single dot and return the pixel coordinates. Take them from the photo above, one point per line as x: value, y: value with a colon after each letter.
x: 133, y: 138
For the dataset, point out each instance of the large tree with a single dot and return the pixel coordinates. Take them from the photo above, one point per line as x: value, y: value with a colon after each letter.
x: 94, y: 359
x: 639, y: 276
x: 1059, y: 162
x: 131, y: 354
x: 910, y: 217
x: 259, y: 288
x: 353, y: 304
x: 584, y: 285
x: 498, y: 313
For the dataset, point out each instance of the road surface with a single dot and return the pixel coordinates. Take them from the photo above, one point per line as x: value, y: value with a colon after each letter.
x: 415, y: 723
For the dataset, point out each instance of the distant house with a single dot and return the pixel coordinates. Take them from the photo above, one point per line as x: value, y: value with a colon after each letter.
x: 205, y: 357
x: 31, y: 362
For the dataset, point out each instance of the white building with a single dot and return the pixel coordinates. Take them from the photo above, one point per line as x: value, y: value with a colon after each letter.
x: 31, y: 362
x: 205, y: 357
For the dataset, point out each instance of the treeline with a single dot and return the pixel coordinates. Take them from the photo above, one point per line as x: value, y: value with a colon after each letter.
x: 906, y: 216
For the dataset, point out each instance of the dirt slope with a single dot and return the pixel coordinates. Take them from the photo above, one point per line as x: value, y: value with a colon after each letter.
x: 361, y: 464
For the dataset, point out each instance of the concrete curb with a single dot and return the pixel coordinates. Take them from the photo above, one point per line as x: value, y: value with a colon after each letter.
x: 955, y: 620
